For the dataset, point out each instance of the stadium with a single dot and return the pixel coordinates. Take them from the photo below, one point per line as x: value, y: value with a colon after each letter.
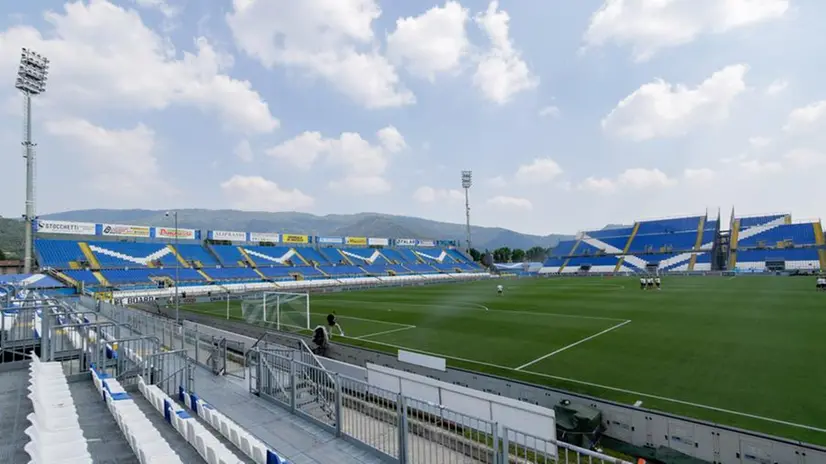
x: 690, y: 339
x: 734, y: 322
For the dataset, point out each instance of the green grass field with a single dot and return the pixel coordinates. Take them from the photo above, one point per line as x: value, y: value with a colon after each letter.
x: 746, y: 351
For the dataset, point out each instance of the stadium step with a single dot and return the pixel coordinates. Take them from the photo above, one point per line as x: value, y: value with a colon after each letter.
x: 205, y: 275
x: 573, y: 250
x: 100, y: 278
x: 74, y: 265
x: 90, y: 257
x: 697, y: 243
x: 821, y: 244
x: 62, y: 277
x: 247, y: 258
x: 627, y: 247
x: 178, y: 256
x: 344, y: 257
x: 732, y: 255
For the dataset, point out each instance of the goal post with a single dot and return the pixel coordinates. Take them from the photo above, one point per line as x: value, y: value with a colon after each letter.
x: 289, y: 312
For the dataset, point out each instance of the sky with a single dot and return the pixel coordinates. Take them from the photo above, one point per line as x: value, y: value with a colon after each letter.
x: 571, y: 115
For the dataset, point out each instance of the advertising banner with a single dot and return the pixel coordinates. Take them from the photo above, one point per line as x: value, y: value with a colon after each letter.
x: 228, y: 235
x: 372, y: 241
x: 331, y: 240
x: 170, y: 232
x: 292, y: 238
x: 65, y: 227
x: 263, y: 237
x: 119, y: 230
x: 406, y: 242
x: 427, y: 243
x: 355, y: 240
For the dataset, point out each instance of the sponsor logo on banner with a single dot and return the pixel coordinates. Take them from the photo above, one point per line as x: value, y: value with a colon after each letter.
x: 378, y: 241
x: 229, y: 235
x: 163, y: 232
x: 355, y: 240
x: 331, y: 240
x: 427, y: 243
x: 263, y: 237
x: 406, y: 241
x: 125, y: 231
x: 292, y: 238
x: 65, y: 227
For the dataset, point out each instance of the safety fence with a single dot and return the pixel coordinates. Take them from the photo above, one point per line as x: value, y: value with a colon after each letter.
x: 401, y: 428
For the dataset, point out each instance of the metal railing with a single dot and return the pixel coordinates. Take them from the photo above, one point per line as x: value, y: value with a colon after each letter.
x: 400, y: 428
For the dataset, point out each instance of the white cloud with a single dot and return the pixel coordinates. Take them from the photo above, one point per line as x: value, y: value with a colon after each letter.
x: 498, y: 182
x: 510, y: 203
x: 639, y: 178
x: 161, y: 5
x: 699, y: 175
x: 661, y: 109
x: 597, y: 184
x: 362, y: 164
x: 649, y: 26
x: 255, y: 193
x: 755, y: 166
x: 331, y: 39
x: 805, y: 158
x: 104, y: 56
x: 243, y: 151
x: 540, y: 170
x: 433, y: 42
x: 426, y: 194
x: 776, y: 87
x: 759, y: 142
x: 121, y: 164
x: 391, y: 139
x: 806, y: 117
x: 501, y: 72
x: 549, y: 112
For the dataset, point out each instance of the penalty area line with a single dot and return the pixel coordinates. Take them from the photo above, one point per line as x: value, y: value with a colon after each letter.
x: 607, y: 387
x: 385, y: 332
x: 572, y: 345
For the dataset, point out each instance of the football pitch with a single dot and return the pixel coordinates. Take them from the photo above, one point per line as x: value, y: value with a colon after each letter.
x: 748, y: 352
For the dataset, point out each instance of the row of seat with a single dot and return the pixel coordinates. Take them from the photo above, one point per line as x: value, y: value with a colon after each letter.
x: 144, y: 439
x: 207, y: 445
x: 55, y: 434
x: 251, y: 446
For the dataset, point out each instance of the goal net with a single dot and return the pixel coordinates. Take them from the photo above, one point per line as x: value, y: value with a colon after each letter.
x: 289, y: 312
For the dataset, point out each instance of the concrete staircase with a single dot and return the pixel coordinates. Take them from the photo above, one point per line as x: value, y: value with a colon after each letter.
x: 94, y: 264
x: 627, y: 247
x: 178, y: 256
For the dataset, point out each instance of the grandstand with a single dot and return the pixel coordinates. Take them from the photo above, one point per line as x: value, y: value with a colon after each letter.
x: 694, y: 244
x: 145, y: 259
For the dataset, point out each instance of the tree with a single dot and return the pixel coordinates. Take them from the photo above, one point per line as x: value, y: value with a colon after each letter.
x: 536, y: 253
x: 518, y: 255
x: 502, y: 255
x: 475, y: 254
x: 2, y: 255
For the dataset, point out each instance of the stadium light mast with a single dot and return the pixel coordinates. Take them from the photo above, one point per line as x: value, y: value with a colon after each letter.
x: 31, y: 81
x: 467, y: 181
x: 174, y: 214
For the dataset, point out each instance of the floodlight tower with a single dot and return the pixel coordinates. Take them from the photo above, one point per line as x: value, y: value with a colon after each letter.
x: 467, y: 181
x: 31, y: 81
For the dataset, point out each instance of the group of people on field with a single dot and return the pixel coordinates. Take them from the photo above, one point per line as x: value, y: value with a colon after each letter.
x: 648, y: 283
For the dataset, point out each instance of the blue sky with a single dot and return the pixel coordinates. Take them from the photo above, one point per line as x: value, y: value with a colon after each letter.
x: 570, y: 114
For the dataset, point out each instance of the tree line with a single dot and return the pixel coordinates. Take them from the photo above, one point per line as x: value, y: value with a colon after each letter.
x: 507, y: 255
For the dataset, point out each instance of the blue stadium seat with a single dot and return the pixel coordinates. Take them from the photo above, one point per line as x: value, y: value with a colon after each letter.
x: 332, y: 255
x: 271, y: 256
x: 364, y: 256
x: 407, y: 256
x: 798, y: 234
x: 191, y: 252
x: 312, y: 255
x: 233, y: 273
x: 57, y: 253
x: 746, y: 222
x: 342, y: 270
x: 608, y: 233
x: 228, y: 255
x: 661, y: 226
x: 132, y: 255
x: 678, y: 241
x: 421, y: 268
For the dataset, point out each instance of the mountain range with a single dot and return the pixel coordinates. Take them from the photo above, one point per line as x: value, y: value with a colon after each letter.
x: 356, y: 225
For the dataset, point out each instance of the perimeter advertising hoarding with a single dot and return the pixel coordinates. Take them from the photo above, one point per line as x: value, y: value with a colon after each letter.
x: 406, y: 242
x: 355, y: 240
x: 65, y: 227
x: 228, y: 235
x: 263, y: 237
x: 331, y: 240
x: 120, y: 230
x: 293, y: 238
x: 171, y: 232
x: 372, y: 241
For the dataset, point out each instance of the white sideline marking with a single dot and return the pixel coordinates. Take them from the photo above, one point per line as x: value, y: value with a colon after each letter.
x: 606, y: 387
x: 479, y: 306
x: 366, y: 320
x: 572, y: 345
x: 385, y: 332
